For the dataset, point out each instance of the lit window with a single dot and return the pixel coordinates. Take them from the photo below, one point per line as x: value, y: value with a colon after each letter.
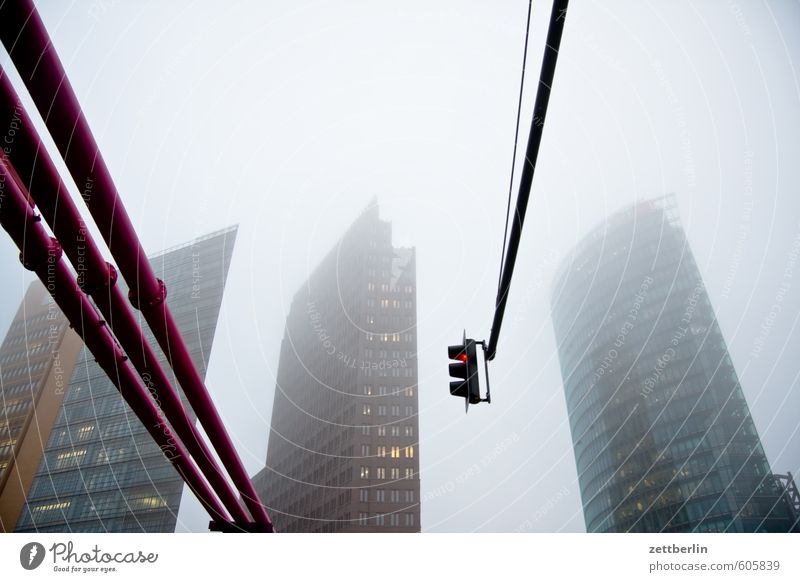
x: 409, y: 473
x: 395, y: 452
x: 149, y: 503
x: 409, y: 391
x: 410, y: 452
x: 366, y: 410
x: 69, y: 458
x: 365, y: 472
x: 381, y: 473
x: 51, y: 507
x: 381, y: 451
x: 368, y: 390
x: 395, y: 473
x: 85, y: 432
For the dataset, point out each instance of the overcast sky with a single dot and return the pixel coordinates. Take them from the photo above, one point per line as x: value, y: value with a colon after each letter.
x: 287, y: 117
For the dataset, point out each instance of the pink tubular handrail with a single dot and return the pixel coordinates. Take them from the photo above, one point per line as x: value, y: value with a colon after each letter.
x: 97, y: 279
x: 42, y: 254
x: 32, y: 52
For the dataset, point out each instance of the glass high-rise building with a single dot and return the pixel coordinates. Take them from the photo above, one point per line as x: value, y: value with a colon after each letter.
x: 662, y: 434
x: 101, y: 470
x: 36, y: 362
x: 343, y: 451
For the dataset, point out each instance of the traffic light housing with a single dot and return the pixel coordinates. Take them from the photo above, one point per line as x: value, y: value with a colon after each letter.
x: 466, y: 369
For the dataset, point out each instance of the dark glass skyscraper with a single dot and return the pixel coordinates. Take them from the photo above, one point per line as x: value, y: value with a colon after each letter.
x: 663, y: 437
x: 343, y: 449
x: 101, y: 470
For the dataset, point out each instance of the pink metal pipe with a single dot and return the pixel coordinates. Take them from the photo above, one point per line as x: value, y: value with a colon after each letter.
x: 32, y: 51
x: 42, y: 254
x: 96, y: 278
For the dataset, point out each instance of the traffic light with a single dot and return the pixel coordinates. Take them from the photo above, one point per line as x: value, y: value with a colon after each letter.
x: 466, y: 368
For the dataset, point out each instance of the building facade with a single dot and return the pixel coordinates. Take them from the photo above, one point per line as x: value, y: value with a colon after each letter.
x: 36, y: 361
x: 101, y: 471
x: 343, y: 452
x: 662, y: 434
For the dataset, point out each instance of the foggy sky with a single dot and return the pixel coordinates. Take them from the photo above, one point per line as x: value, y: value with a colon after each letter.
x: 286, y: 118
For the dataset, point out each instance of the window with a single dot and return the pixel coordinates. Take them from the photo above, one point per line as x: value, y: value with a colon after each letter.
x: 395, y: 452
x: 362, y: 518
x: 363, y: 495
x: 409, y: 519
x: 381, y: 473
x: 364, y: 472
x: 409, y: 430
x: 365, y: 450
x: 379, y: 519
x: 409, y: 391
x: 409, y: 452
x: 381, y: 451
x: 380, y: 495
x: 70, y: 458
x: 409, y: 496
x: 367, y: 390
x: 382, y: 430
x: 382, y: 410
x: 395, y: 410
x: 394, y: 519
x: 409, y: 473
x: 366, y: 410
x: 409, y: 410
x: 395, y: 496
x: 365, y: 429
x: 395, y: 473
x: 395, y: 430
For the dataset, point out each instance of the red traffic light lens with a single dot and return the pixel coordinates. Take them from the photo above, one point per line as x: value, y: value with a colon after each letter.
x: 462, y: 357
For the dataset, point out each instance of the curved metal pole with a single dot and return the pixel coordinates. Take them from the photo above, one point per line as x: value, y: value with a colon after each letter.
x: 30, y: 159
x: 32, y: 52
x: 42, y: 254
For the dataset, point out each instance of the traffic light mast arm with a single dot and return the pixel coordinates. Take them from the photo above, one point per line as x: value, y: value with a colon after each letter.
x: 557, y: 18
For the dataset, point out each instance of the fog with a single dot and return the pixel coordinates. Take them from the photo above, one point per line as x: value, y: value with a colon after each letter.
x: 287, y: 117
